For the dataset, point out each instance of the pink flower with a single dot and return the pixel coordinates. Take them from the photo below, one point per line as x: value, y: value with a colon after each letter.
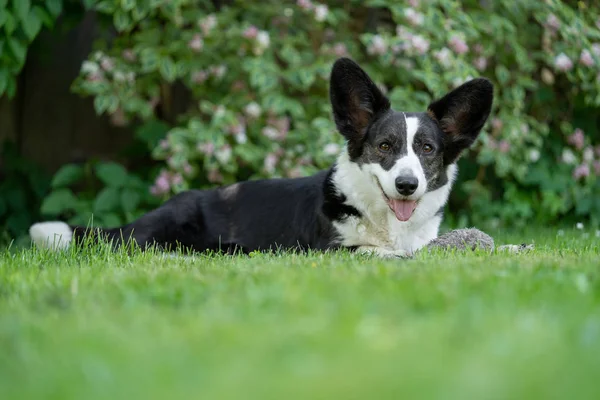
x: 420, y: 44
x: 321, y: 12
x: 128, y: 55
x: 577, y: 139
x: 253, y: 110
x: 568, y: 157
x: 214, y: 176
x: 481, y: 63
x: 270, y: 132
x: 458, y: 44
x: 563, y: 63
x: 208, y: 23
x: 414, y: 18
x: 162, y: 184
x: 107, y: 64
x: 282, y: 125
x: 164, y: 144
x: 224, y: 154
x: 199, y: 77
x: 340, y: 50
x: 270, y: 162
x: 118, y: 118
x: 187, y: 169
x: 176, y: 179
x: 596, y: 165
x: 497, y: 124
x: 503, y: 146
x: 251, y: 32
x: 478, y: 48
x: 305, y: 4
x: 263, y: 39
x: 95, y: 77
x: 586, y: 58
x: 196, y: 44
x: 552, y: 23
x: 305, y: 160
x: 581, y: 171
x: 443, y: 56
x: 588, y: 154
x: 377, y: 46
x: 218, y: 71
x: 206, y: 148
x: 331, y: 149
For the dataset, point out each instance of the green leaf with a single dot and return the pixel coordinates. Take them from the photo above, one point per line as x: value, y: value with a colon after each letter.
x: 112, y: 174
x: 3, y: 17
x: 105, y: 103
x: 21, y: 8
x: 10, y: 24
x: 54, y: 6
x: 122, y: 21
x: 89, y: 4
x: 152, y: 132
x: 18, y: 49
x: 32, y: 25
x: 3, y: 79
x: 58, y: 201
x: 18, y: 222
x: 46, y: 19
x: 107, y: 200
x: 503, y: 74
x: 128, y: 5
x: 111, y: 220
x: 67, y: 175
x: 130, y: 199
x: 168, y: 69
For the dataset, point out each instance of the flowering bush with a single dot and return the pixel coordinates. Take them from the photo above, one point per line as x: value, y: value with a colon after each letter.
x: 256, y: 75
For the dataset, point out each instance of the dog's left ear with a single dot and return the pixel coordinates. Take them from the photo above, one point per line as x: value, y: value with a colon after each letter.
x: 461, y: 114
x: 355, y: 100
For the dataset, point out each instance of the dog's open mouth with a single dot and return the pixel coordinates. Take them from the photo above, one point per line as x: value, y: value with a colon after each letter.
x: 403, y: 209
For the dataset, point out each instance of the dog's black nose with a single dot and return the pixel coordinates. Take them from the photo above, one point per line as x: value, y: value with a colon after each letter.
x: 406, y: 185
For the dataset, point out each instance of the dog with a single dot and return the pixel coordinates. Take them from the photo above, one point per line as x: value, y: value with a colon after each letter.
x: 384, y: 196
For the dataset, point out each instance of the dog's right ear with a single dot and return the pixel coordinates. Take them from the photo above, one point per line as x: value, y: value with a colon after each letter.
x: 355, y: 99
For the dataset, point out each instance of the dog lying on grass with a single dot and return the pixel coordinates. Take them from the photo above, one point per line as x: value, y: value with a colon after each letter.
x: 385, y: 195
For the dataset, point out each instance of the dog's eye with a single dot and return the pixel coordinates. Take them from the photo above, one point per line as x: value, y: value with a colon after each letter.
x: 427, y: 148
x: 385, y: 146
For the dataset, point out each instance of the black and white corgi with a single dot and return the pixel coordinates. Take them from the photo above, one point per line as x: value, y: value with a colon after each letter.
x: 385, y: 194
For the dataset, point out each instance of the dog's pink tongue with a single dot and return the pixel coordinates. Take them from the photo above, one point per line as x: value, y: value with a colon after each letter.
x: 403, y: 208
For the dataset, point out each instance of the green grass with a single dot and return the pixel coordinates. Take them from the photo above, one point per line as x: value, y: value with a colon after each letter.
x: 95, y: 324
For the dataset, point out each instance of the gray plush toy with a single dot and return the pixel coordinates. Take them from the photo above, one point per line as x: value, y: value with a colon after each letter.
x: 471, y: 239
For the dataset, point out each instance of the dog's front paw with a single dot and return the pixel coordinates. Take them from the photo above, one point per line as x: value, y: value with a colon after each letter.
x: 382, y: 252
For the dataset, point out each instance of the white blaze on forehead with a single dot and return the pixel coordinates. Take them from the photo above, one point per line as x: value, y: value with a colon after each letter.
x: 407, y: 165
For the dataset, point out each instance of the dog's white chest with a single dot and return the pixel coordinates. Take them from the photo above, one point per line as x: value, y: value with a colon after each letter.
x: 387, y: 232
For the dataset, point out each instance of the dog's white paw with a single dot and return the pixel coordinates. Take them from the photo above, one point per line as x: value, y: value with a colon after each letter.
x: 382, y: 252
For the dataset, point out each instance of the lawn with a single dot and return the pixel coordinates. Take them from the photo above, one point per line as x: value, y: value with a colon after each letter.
x: 96, y: 324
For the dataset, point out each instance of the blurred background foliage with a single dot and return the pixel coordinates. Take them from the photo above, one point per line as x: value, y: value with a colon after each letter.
x: 221, y: 91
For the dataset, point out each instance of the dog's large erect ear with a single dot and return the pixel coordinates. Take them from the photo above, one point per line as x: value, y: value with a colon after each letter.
x: 355, y: 99
x: 461, y: 114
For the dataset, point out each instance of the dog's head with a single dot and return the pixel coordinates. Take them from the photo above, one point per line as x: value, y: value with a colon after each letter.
x: 405, y: 154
